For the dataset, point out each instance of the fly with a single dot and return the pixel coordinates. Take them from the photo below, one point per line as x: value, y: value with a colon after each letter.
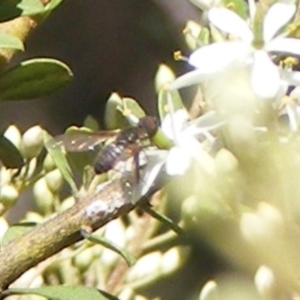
x: 125, y: 144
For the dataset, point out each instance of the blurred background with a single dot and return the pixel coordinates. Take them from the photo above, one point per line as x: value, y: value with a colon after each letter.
x: 111, y: 46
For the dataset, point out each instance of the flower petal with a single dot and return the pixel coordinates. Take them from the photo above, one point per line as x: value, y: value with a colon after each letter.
x: 277, y: 16
x: 215, y: 57
x: 286, y: 45
x: 156, y: 159
x: 190, y: 78
x: 203, y: 124
x: 181, y: 155
x: 229, y: 22
x: 178, y: 161
x: 293, y: 78
x: 265, y: 77
x: 173, y: 123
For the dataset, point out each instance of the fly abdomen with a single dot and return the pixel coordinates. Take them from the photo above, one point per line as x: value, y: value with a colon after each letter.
x: 108, y: 158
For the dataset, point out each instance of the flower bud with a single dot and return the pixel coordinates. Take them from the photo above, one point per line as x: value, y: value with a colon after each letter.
x: 33, y: 217
x: 31, y: 167
x: 48, y: 163
x: 173, y: 259
x: 209, y: 291
x: 67, y: 203
x: 262, y: 226
x: 265, y: 282
x: 127, y: 294
x: 43, y: 196
x: 146, y: 269
x: 115, y: 232
x: 5, y: 176
x: 164, y: 75
x: 32, y: 142
x: 8, y: 195
x: 226, y: 162
x: 84, y: 259
x: 14, y: 135
x: 54, y: 180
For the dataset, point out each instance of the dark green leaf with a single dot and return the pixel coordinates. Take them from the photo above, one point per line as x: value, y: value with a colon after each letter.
x: 61, y: 162
x: 34, y: 78
x: 63, y: 292
x: 129, y: 258
x: 164, y: 219
x: 16, y: 230
x: 9, y: 41
x: 10, y: 9
x: 9, y: 154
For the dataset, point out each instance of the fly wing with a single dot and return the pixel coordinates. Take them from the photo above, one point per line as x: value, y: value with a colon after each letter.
x: 79, y: 141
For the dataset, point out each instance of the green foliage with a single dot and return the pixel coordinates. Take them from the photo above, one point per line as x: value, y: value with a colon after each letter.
x: 129, y: 258
x: 11, y: 9
x: 9, y: 154
x: 33, y: 78
x: 61, y: 163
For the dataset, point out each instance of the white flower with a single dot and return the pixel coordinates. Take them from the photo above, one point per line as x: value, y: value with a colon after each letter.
x: 186, y: 135
x: 187, y: 148
x: 243, y: 55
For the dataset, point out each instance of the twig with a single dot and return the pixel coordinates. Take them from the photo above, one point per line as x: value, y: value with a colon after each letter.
x: 111, y: 201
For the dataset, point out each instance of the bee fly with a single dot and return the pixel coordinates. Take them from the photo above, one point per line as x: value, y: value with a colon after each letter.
x: 126, y: 144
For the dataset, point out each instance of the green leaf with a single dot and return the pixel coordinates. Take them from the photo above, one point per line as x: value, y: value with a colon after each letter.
x: 34, y: 78
x: 61, y: 163
x: 129, y: 258
x: 16, y: 230
x: 63, y: 293
x: 131, y: 106
x: 9, y: 41
x: 9, y: 154
x: 10, y: 9
x: 164, y: 219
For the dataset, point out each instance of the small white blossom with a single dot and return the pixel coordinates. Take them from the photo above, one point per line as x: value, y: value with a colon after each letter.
x: 185, y: 135
x: 187, y: 148
x: 243, y: 56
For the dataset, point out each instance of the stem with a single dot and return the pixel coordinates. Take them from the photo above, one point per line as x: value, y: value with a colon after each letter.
x: 59, y: 232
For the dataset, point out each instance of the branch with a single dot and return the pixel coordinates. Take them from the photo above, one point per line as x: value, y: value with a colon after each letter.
x: 111, y: 201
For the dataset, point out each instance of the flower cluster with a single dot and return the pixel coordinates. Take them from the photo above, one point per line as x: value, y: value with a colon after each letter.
x: 238, y: 73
